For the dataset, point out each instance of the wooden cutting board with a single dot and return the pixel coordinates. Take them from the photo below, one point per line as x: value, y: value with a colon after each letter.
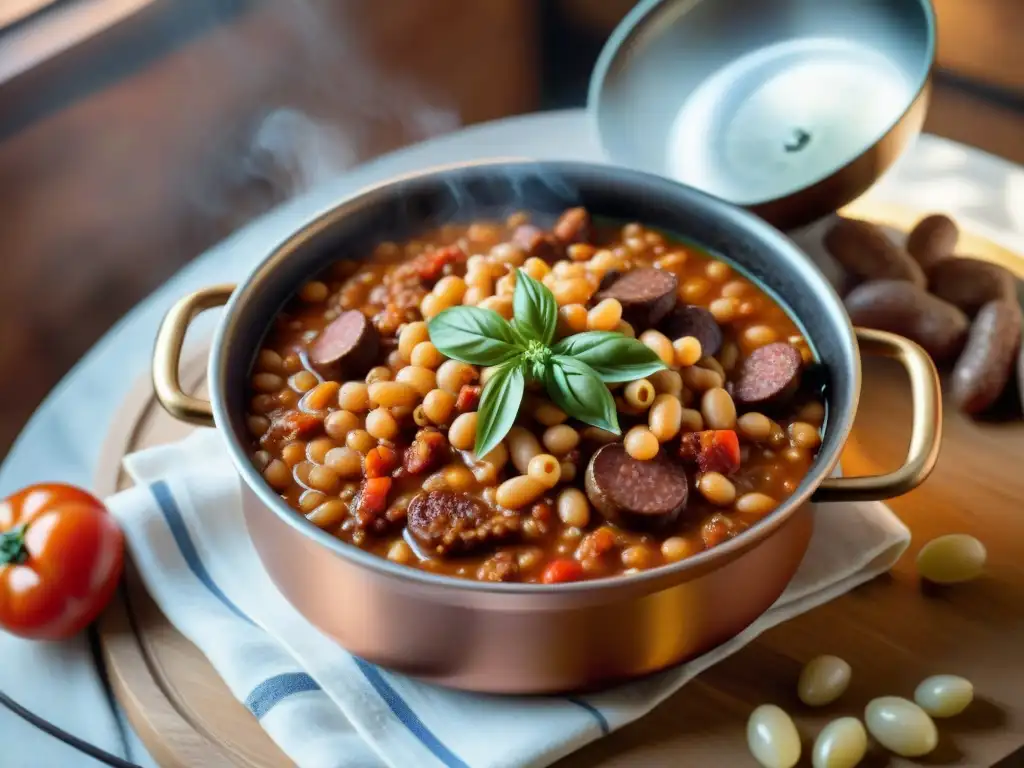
x: 892, y: 631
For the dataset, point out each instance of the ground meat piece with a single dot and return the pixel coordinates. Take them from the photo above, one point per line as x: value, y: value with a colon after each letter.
x: 715, y: 530
x: 573, y: 226
x: 445, y: 522
x: 430, y: 266
x: 290, y: 426
x: 501, y: 566
x: 711, y: 450
x: 536, y: 242
x: 428, y: 451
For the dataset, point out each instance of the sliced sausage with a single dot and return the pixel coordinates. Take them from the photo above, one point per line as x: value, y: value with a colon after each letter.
x: 535, y: 242
x: 986, y: 365
x: 350, y: 343
x: 445, y: 522
x: 900, y: 307
x: 573, y: 226
x: 971, y: 283
x: 647, y: 295
x: 932, y: 239
x: 769, y: 376
x: 641, y: 495
x: 691, y: 320
x: 864, y: 250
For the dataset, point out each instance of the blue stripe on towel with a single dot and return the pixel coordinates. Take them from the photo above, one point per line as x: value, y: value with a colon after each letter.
x: 270, y: 692
x: 602, y: 723
x: 165, y: 499
x: 407, y: 717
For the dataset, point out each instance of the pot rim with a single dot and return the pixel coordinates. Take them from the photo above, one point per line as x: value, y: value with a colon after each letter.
x: 647, y: 581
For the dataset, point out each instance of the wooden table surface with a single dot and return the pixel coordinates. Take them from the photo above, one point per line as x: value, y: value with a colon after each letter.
x: 893, y: 630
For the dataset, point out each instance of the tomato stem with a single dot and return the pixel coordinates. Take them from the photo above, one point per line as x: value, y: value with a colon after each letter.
x: 12, y: 546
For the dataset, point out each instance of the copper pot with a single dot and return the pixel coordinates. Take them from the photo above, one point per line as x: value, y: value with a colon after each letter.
x: 530, y: 638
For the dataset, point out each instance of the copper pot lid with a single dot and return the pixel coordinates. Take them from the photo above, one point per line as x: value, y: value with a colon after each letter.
x: 791, y: 108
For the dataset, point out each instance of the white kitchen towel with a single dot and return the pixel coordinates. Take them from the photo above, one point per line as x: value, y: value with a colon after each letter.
x: 325, y: 708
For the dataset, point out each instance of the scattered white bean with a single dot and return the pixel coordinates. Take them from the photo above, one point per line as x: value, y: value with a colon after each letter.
x: 841, y: 744
x: 823, y: 680
x: 952, y: 558
x: 944, y: 695
x: 772, y: 737
x: 901, y: 726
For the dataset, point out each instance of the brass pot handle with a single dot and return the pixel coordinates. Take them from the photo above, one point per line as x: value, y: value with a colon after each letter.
x: 167, y: 355
x: 925, y: 434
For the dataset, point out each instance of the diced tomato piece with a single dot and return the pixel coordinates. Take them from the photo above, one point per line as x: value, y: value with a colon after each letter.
x: 373, y: 499
x: 713, y: 450
x: 293, y: 425
x: 428, y: 451
x: 468, y: 399
x: 381, y: 461
x: 430, y: 265
x: 561, y: 571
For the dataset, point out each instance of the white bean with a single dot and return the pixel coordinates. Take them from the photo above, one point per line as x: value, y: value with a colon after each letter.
x: 823, y: 680
x: 841, y: 744
x: 944, y: 695
x: 952, y: 558
x: 772, y: 737
x: 901, y: 726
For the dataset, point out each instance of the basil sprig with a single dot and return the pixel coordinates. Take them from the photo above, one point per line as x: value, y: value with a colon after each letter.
x: 575, y: 371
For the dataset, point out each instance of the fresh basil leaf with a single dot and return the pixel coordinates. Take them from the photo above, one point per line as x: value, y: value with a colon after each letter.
x: 534, y: 308
x: 499, y: 405
x: 474, y: 335
x: 577, y: 389
x: 613, y: 356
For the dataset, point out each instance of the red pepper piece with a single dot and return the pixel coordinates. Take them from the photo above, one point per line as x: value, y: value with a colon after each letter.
x: 713, y: 450
x: 381, y: 461
x: 468, y: 399
x: 429, y: 266
x: 373, y: 499
x: 427, y: 452
x: 562, y: 571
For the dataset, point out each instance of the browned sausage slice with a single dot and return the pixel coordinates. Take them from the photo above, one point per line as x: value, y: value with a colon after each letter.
x: 646, y: 295
x: 350, y: 341
x: 573, y: 226
x: 690, y: 320
x: 445, y: 522
x: 769, y: 376
x: 641, y: 495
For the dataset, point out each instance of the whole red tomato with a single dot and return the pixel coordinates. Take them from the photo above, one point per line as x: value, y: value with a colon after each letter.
x: 61, y: 555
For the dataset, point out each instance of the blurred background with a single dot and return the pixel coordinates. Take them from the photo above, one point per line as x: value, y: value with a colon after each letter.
x: 134, y: 134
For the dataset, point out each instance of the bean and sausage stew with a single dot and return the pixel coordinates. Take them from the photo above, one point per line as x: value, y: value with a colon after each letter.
x: 364, y: 426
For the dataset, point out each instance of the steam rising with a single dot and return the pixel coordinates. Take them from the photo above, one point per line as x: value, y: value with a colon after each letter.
x: 337, y: 106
